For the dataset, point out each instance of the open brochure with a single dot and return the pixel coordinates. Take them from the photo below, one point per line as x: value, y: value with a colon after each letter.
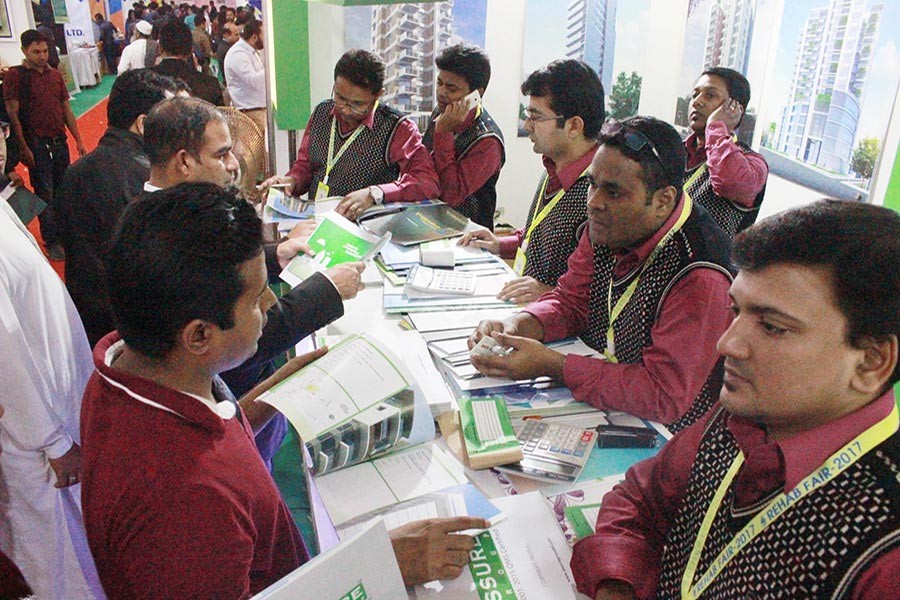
x: 356, y: 402
x: 415, y: 224
x: 524, y: 556
x: 335, y: 241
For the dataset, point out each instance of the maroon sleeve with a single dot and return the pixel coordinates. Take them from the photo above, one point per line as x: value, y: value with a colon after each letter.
x: 735, y: 174
x: 418, y: 179
x: 300, y: 170
x: 461, y: 178
x: 635, y: 518
x: 11, y: 85
x: 879, y: 580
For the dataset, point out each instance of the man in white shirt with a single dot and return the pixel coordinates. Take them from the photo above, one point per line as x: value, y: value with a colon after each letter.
x: 45, y: 367
x: 134, y: 54
x: 246, y: 75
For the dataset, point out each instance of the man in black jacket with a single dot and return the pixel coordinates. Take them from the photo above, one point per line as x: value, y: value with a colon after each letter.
x: 188, y: 140
x: 176, y: 47
x: 98, y: 187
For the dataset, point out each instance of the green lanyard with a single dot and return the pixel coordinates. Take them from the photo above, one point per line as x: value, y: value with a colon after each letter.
x: 622, y: 302
x: 833, y: 466
x: 332, y: 157
x: 537, y: 217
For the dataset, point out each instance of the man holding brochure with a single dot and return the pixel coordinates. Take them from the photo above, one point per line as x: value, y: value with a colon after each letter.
x: 788, y: 488
x: 647, y: 287
x: 358, y: 148
x: 177, y: 502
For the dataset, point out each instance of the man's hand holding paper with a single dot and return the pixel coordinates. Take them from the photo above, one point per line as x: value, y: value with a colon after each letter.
x: 528, y: 360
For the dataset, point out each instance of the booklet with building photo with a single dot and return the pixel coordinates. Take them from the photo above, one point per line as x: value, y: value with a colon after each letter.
x: 353, y: 404
x: 335, y: 241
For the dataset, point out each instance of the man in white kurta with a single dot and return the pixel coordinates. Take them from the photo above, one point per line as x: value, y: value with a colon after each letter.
x: 45, y: 365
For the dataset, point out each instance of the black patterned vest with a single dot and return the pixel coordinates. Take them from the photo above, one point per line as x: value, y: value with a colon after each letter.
x: 731, y: 216
x: 556, y: 237
x: 364, y: 164
x: 699, y: 244
x: 817, y: 549
x: 481, y: 204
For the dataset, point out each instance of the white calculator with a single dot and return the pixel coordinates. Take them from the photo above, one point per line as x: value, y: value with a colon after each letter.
x: 441, y: 281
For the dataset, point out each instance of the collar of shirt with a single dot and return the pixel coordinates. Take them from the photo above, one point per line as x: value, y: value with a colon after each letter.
x: 369, y: 121
x: 567, y: 176
x: 696, y: 153
x: 629, y: 259
x: 801, y: 454
x: 205, y: 413
x: 149, y: 187
x: 467, y: 122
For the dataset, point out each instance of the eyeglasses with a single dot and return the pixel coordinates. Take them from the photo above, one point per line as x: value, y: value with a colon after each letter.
x: 354, y: 106
x: 538, y: 118
x: 634, y: 140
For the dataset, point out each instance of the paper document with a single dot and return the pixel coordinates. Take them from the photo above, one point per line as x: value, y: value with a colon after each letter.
x: 363, y: 566
x: 524, y: 556
x: 457, y: 501
x: 335, y: 241
x: 385, y: 481
x: 581, y: 499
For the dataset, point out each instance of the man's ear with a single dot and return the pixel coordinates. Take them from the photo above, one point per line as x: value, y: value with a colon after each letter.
x: 664, y: 200
x: 196, y: 336
x: 183, y: 162
x: 138, y: 125
x: 874, y: 370
x: 574, y: 126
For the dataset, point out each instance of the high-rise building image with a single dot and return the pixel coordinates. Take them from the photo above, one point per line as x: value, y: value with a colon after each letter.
x: 819, y: 121
x: 728, y: 34
x: 591, y: 36
x: 408, y: 37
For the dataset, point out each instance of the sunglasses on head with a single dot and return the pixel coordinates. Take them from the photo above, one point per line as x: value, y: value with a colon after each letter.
x: 634, y: 140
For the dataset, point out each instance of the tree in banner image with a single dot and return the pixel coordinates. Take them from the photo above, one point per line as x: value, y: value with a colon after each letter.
x: 863, y: 160
x: 625, y: 96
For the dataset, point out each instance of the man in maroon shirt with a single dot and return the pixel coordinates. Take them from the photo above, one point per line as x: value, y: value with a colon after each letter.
x: 38, y: 105
x: 647, y: 286
x: 723, y: 175
x: 358, y: 148
x: 177, y: 501
x: 788, y: 488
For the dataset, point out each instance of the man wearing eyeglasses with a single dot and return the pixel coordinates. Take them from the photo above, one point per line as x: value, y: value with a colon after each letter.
x: 357, y: 148
x: 564, y: 114
x: 647, y: 287
x: 724, y: 176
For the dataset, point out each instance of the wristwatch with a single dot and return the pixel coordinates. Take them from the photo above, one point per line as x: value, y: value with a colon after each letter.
x: 377, y: 194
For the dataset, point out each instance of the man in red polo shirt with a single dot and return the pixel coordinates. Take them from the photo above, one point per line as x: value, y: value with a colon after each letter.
x: 38, y: 105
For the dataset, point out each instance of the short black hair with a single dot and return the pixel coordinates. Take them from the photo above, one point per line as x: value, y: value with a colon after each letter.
x: 135, y: 93
x: 175, y: 38
x: 573, y: 89
x: 858, y: 243
x: 252, y: 28
x: 199, y: 20
x: 469, y: 62
x: 177, y: 124
x: 175, y: 257
x: 737, y: 85
x: 657, y: 174
x: 361, y: 68
x: 31, y: 36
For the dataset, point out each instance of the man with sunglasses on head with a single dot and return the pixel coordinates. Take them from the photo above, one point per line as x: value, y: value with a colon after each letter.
x: 564, y: 115
x: 358, y: 148
x: 647, y: 287
x: 723, y: 175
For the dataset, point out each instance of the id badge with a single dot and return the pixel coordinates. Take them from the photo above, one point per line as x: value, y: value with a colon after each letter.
x: 321, y: 191
x: 519, y: 264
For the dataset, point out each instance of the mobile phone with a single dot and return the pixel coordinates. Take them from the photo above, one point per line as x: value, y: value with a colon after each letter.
x: 472, y: 100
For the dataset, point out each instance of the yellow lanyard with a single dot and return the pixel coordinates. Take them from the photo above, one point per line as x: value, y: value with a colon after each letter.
x: 833, y: 466
x: 332, y: 157
x: 622, y: 302
x: 537, y: 217
x: 694, y: 176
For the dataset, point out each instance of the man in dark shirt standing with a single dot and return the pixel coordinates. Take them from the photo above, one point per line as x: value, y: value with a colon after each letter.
x: 176, y: 46
x: 230, y: 36
x: 39, y: 113
x: 108, y: 37
x: 97, y: 188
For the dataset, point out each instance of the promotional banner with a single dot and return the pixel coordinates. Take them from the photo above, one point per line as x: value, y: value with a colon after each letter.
x: 79, y: 29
